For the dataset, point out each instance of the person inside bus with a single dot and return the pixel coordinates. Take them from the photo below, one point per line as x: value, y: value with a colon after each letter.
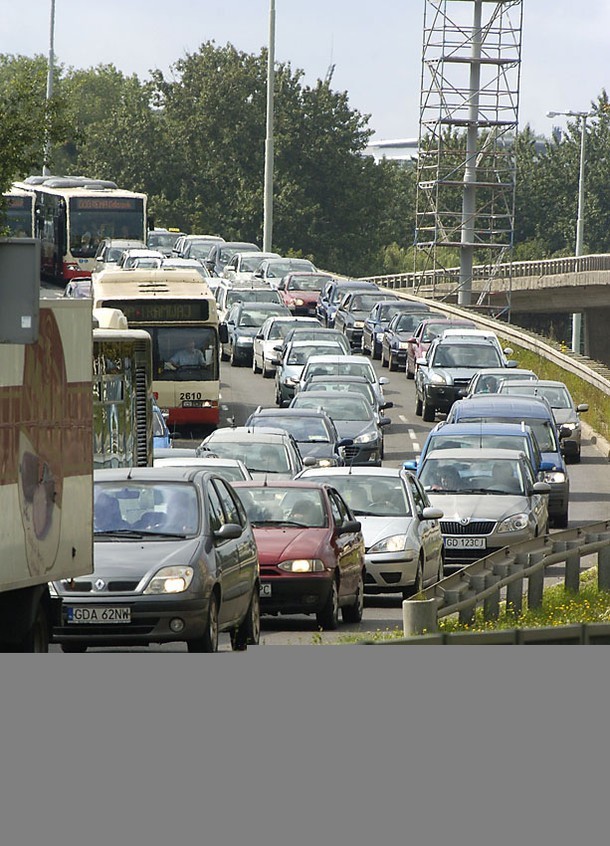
x: 189, y: 356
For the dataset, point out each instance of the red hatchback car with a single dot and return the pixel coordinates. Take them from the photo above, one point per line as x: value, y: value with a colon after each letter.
x: 311, y: 550
x: 425, y: 333
x: 301, y: 291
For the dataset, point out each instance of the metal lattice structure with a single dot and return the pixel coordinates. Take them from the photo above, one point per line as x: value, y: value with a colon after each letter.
x: 471, y: 61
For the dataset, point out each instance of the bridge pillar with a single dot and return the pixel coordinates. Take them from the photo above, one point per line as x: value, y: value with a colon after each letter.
x: 595, y: 329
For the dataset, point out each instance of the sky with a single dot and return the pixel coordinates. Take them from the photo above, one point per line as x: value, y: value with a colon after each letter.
x: 375, y: 47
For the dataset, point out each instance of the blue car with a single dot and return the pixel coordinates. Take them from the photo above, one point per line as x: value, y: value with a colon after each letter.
x: 536, y: 413
x: 489, y: 435
x: 161, y: 435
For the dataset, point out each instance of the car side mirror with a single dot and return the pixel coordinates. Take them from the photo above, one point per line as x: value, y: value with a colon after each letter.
x: 541, y: 488
x: 432, y: 513
x: 384, y: 380
x: 564, y: 432
x: 421, y: 362
x: 508, y: 350
x: 384, y: 421
x: 350, y: 526
x: 309, y: 461
x: 584, y: 406
x: 511, y: 362
x: 410, y: 464
x: 345, y: 442
x: 386, y: 405
x: 229, y: 531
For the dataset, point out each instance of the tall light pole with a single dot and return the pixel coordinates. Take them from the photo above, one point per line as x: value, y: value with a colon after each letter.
x: 268, y: 189
x: 580, y: 220
x: 47, y: 143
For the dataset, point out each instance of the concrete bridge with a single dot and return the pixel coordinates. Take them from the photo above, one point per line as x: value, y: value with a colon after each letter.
x: 541, y: 294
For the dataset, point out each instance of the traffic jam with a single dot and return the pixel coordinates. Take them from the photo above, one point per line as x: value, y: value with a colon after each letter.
x: 293, y: 511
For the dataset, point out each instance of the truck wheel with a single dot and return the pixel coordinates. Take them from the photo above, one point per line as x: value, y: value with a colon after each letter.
x: 418, y: 407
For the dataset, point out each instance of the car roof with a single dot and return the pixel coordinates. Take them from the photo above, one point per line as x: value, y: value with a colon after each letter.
x: 470, y: 428
x: 262, y: 433
x: 288, y: 412
x: 278, y: 483
x: 362, y: 380
x: 474, y: 455
x: 360, y: 470
x: 324, y: 396
x: 491, y: 403
x: 498, y: 371
x: 174, y: 452
x: 339, y: 359
x: 165, y: 473
x: 465, y: 340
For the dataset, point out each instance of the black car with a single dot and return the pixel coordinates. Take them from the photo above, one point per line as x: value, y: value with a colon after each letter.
x: 354, y: 418
x: 220, y: 254
x: 378, y: 318
x: 399, y: 331
x: 315, y: 433
x: 332, y: 294
x: 243, y: 322
x: 175, y: 559
x: 444, y: 375
x: 353, y: 310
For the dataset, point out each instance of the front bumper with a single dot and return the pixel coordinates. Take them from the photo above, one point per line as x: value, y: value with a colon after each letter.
x: 442, y: 397
x: 294, y: 593
x: 389, y: 571
x: 150, y: 618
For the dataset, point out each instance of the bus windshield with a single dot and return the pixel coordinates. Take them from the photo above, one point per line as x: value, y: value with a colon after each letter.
x: 184, y: 353
x: 89, y: 225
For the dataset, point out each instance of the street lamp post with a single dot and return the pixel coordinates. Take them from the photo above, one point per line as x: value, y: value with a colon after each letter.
x: 580, y: 220
x: 269, y: 153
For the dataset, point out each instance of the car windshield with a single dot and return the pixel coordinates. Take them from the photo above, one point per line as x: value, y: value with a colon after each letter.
x: 258, y: 457
x: 364, y: 302
x: 299, y: 507
x: 249, y: 264
x: 201, y: 249
x: 487, y: 476
x: 156, y: 508
x: 162, y: 240
x: 544, y: 430
x: 226, y: 253
x: 253, y: 317
x: 371, y: 496
x: 251, y: 296
x: 364, y: 389
x: 557, y: 397
x: 466, y: 355
x: 349, y: 368
x: 481, y: 441
x: 305, y: 283
x: 278, y: 330
x: 407, y: 322
x: 299, y: 355
x: 310, y: 430
x: 386, y: 311
x: 337, y: 407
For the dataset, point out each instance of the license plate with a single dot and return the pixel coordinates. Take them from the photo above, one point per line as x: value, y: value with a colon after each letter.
x: 98, y: 614
x: 192, y: 403
x: 465, y: 543
x: 265, y: 590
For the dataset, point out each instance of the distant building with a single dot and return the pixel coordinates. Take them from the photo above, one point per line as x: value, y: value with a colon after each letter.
x: 403, y: 150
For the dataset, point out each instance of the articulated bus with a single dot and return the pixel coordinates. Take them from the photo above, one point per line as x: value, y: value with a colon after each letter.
x: 72, y: 215
x: 177, y: 308
x: 18, y: 213
x: 122, y: 392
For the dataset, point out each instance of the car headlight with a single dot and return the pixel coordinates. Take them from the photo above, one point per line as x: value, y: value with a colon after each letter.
x: 358, y: 324
x: 327, y: 462
x: 403, y: 345
x: 395, y: 543
x: 553, y: 477
x: 514, y: 523
x: 302, y: 565
x: 291, y: 381
x: 437, y: 379
x: 366, y: 438
x: 170, y: 580
x: 571, y: 426
x: 243, y: 341
x: 380, y: 336
x: 299, y: 301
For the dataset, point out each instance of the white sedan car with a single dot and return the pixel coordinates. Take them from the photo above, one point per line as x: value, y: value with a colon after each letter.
x: 270, y: 336
x: 402, y: 535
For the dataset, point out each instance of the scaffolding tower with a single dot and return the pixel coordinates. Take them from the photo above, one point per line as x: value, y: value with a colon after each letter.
x: 469, y: 104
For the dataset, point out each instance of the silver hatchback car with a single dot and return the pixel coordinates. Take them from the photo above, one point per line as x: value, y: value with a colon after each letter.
x: 401, y: 530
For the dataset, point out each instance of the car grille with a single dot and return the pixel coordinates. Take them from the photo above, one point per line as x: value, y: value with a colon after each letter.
x: 461, y: 382
x: 113, y: 586
x: 107, y: 630
x: 476, y: 527
x: 465, y: 556
x: 391, y: 578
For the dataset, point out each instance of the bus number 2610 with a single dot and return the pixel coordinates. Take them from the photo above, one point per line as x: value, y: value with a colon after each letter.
x: 191, y: 395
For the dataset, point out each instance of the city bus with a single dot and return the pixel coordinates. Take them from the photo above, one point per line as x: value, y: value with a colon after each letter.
x: 18, y: 213
x: 177, y: 308
x: 73, y: 214
x: 122, y: 392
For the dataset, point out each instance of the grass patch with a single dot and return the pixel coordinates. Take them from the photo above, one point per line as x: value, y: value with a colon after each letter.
x: 559, y: 608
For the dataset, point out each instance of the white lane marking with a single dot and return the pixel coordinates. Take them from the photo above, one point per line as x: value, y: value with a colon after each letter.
x: 415, y: 444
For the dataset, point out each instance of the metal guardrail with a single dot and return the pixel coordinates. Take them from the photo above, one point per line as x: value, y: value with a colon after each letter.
x: 576, y: 633
x: 482, y: 582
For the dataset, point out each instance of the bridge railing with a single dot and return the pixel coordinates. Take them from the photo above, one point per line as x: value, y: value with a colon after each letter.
x: 517, y: 269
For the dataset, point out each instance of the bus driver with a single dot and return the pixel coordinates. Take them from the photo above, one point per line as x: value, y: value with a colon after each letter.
x: 189, y: 356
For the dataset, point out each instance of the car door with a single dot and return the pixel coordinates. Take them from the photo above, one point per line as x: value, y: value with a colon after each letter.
x: 236, y: 557
x: 428, y: 531
x: 341, y: 313
x: 349, y: 546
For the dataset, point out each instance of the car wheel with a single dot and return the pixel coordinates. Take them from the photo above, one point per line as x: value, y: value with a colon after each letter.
x: 392, y: 365
x: 328, y: 617
x: 36, y: 638
x: 267, y: 372
x: 249, y: 630
x: 428, y: 412
x: 208, y: 642
x: 353, y: 613
x: 73, y: 647
x: 278, y: 397
x: 576, y: 458
x: 418, y: 407
x: 255, y: 367
x: 410, y: 373
x: 223, y: 354
x: 375, y: 351
x: 440, y: 573
x: 418, y: 584
x: 383, y: 359
x: 233, y: 358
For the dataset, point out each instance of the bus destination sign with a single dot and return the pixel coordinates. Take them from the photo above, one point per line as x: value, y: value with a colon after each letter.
x: 160, y: 311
